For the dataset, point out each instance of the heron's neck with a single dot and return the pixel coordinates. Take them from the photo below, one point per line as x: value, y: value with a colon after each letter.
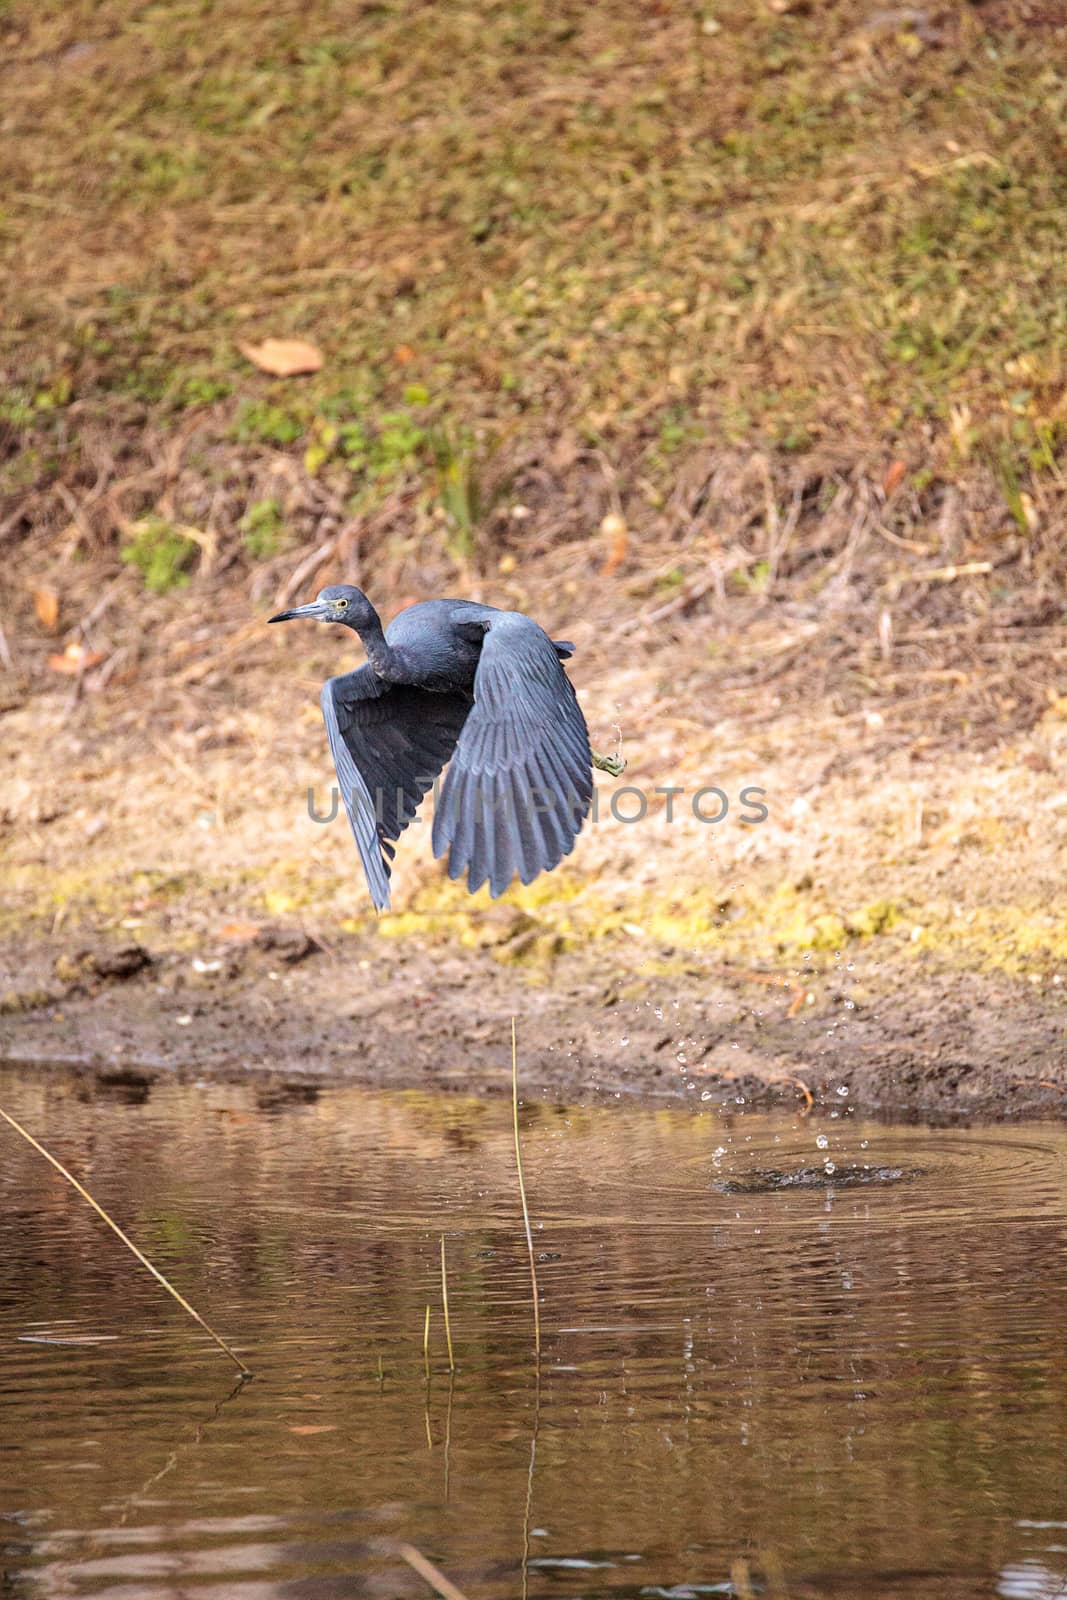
x: 382, y: 656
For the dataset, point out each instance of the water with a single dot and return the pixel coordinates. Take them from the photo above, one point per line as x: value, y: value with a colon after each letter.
x: 804, y: 1390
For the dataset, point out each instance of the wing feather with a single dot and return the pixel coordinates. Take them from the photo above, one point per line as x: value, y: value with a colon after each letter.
x: 520, y: 782
x: 389, y: 743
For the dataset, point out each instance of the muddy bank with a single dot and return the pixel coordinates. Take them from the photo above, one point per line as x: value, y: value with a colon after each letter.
x: 807, y: 544
x: 895, y: 926
x: 868, y: 1034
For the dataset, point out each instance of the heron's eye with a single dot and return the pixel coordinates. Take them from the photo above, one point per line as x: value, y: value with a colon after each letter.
x: 341, y: 605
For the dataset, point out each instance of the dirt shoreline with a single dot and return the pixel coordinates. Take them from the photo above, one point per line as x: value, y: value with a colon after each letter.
x: 892, y: 937
x: 894, y: 927
x: 917, y: 1046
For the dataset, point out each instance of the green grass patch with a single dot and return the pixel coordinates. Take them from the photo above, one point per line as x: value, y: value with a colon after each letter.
x: 160, y: 552
x: 263, y: 526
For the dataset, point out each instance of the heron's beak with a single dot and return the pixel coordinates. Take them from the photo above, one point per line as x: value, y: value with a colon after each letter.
x: 318, y: 610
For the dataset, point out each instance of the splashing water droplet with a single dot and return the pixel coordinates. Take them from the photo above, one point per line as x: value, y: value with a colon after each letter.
x: 822, y: 1141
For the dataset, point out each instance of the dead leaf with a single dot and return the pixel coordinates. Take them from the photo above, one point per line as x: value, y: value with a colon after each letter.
x: 46, y: 607
x: 403, y: 354
x: 283, y: 358
x: 305, y: 1428
x: 614, y: 529
x: 76, y: 658
x: 239, y: 932
x: 894, y: 477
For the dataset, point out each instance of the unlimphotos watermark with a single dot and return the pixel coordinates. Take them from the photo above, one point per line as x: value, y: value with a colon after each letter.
x: 709, y: 804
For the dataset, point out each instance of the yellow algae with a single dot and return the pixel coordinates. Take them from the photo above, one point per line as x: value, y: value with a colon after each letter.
x: 277, y: 902
x: 873, y: 919
x: 533, y: 925
x: 1021, y: 940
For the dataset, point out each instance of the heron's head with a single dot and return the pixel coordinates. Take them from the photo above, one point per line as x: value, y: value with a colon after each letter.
x: 340, y: 602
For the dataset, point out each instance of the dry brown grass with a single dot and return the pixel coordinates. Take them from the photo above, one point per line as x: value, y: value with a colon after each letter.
x: 781, y: 287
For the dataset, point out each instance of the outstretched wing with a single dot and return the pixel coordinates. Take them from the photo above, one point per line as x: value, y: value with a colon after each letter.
x: 520, y: 782
x: 388, y: 742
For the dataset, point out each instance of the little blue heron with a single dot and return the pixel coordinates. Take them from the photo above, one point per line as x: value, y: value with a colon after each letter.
x: 452, y: 681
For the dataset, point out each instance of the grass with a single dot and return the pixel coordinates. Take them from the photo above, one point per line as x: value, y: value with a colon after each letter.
x: 444, y: 1306
x: 160, y: 552
x: 795, y: 227
x: 263, y: 525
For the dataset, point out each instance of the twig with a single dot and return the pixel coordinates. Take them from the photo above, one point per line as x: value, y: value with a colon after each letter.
x: 779, y: 534
x: 797, y: 1083
x: 127, y: 1241
x: 75, y: 512
x: 771, y: 979
x: 729, y: 561
x: 305, y: 568
x: 444, y: 1301
x: 429, y: 1573
x: 902, y: 544
x: 965, y: 569
x: 426, y: 1344
x: 522, y: 1187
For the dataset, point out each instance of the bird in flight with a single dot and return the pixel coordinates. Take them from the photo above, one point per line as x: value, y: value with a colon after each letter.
x: 483, y: 691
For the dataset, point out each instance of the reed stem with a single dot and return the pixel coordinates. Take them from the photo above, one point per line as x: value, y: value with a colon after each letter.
x: 444, y: 1301
x: 127, y: 1241
x: 522, y: 1187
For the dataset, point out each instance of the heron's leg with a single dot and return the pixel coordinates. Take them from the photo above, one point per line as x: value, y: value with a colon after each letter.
x: 615, y: 765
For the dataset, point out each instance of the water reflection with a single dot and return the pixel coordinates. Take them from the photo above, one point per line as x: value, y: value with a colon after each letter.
x: 836, y: 1390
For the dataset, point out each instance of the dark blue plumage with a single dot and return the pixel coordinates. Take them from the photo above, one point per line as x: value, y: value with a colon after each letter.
x: 453, y: 682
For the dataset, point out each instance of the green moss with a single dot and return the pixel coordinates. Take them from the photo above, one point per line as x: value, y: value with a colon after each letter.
x: 264, y: 422
x: 160, y: 552
x: 14, y: 1001
x: 873, y: 919
x: 263, y: 527
x: 1021, y: 940
x: 188, y: 390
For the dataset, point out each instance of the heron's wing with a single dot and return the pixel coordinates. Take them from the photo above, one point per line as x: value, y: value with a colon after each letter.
x: 389, y: 743
x: 520, y: 782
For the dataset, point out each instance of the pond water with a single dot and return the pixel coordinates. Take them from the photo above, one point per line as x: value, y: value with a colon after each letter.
x: 820, y: 1387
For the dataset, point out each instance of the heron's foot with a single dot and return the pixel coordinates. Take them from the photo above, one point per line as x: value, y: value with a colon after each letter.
x: 615, y: 765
